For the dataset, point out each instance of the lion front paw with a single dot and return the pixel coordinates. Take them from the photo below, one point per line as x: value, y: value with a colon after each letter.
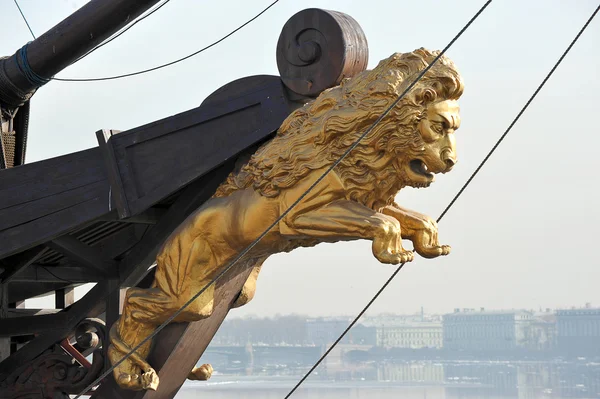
x: 394, y: 257
x: 433, y: 251
x: 201, y: 373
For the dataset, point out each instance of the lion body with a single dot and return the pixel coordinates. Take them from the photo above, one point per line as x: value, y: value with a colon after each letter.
x: 350, y: 203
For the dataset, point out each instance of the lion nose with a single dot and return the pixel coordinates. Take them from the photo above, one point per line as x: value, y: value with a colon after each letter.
x: 449, y: 159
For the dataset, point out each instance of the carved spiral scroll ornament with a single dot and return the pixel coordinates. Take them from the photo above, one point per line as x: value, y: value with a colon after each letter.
x: 62, y: 369
x: 318, y: 48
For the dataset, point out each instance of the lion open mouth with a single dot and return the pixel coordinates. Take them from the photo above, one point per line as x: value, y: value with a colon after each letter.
x: 420, y: 168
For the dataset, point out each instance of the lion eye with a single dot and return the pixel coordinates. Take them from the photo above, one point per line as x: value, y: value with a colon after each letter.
x: 438, y: 127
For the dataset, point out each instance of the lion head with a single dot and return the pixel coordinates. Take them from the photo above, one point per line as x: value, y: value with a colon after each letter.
x: 405, y: 148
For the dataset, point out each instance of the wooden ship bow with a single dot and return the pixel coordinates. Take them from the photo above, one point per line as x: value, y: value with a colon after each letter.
x: 100, y: 215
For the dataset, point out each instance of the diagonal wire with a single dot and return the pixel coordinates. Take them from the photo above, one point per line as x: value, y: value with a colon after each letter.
x: 389, y: 280
x: 24, y: 19
x: 518, y: 115
x: 288, y: 210
x: 449, y: 205
x: 104, y: 43
x: 172, y: 62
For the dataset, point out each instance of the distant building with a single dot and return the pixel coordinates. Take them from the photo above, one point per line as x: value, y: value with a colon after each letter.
x: 471, y: 330
x: 325, y: 330
x: 578, y: 331
x: 543, y: 331
x: 414, y: 335
x: 412, y: 331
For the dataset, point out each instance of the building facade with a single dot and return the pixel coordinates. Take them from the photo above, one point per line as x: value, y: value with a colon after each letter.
x: 413, y: 335
x: 470, y: 330
x: 578, y: 331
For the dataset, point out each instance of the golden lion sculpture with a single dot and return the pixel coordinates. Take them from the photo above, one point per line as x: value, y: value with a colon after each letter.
x: 355, y: 201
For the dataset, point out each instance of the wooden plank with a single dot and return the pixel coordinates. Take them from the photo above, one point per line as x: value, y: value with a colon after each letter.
x: 48, y: 227
x: 20, y: 291
x: 113, y: 307
x: 27, y: 211
x: 199, y: 140
x: 33, y: 324
x: 84, y: 254
x: 179, y: 346
x: 57, y: 274
x: 44, y: 179
x: 114, y: 178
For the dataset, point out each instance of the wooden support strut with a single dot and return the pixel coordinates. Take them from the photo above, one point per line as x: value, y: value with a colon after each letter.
x: 84, y: 254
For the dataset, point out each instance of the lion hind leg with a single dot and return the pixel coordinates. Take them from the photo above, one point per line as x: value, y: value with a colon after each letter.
x: 249, y: 288
x: 133, y: 373
x: 144, y: 310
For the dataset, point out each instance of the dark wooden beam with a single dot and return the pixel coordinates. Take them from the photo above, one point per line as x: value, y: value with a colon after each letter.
x: 84, y: 254
x: 113, y: 307
x: 57, y: 274
x: 43, y: 200
x: 15, y: 264
x: 149, y: 216
x: 140, y: 161
x: 91, y: 305
x: 19, y: 291
x: 25, y: 312
x: 4, y: 342
x: 64, y: 297
x: 32, y: 324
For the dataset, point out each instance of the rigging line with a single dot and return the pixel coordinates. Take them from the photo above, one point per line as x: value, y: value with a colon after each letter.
x: 518, y: 115
x: 60, y: 278
x: 172, y: 62
x: 24, y: 19
x: 389, y: 280
x: 447, y: 208
x: 288, y: 210
x: 104, y: 43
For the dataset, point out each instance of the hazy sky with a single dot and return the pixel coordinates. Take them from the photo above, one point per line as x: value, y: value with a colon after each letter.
x: 524, y: 234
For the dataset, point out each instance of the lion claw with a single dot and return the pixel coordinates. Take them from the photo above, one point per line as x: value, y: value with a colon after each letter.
x: 406, y: 256
x: 201, y: 373
x: 434, y: 251
x: 150, y: 380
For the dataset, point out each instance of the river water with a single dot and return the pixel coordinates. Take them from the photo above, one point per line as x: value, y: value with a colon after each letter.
x: 411, y: 380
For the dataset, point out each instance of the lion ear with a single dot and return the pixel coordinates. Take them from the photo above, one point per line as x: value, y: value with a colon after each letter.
x: 426, y: 96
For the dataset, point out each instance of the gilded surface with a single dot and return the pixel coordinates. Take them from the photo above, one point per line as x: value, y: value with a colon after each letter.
x: 355, y: 201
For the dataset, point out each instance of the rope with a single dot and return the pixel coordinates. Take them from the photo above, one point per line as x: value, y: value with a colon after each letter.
x: 172, y: 62
x: 24, y: 19
x: 25, y: 68
x: 288, y: 210
x: 450, y: 204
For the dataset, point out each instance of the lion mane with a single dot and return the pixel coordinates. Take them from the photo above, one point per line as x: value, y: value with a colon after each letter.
x: 319, y: 133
